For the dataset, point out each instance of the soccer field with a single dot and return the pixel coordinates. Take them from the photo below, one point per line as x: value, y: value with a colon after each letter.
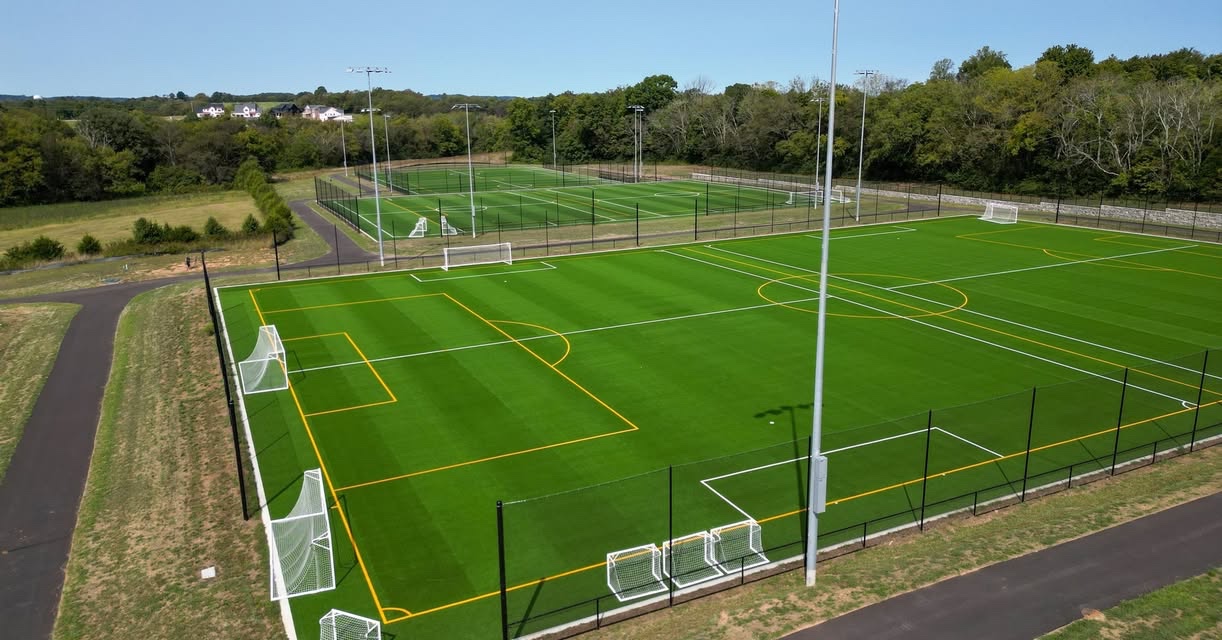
x: 626, y: 399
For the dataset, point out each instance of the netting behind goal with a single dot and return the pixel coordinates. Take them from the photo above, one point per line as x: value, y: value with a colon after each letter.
x: 478, y: 254
x: 689, y: 560
x: 635, y: 573
x: 301, y: 557
x: 738, y: 546
x: 265, y: 370
x: 815, y: 197
x: 341, y: 625
x: 1000, y: 212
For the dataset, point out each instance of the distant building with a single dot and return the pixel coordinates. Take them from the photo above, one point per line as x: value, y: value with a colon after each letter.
x: 246, y: 110
x: 286, y: 109
x: 211, y: 110
x: 320, y: 112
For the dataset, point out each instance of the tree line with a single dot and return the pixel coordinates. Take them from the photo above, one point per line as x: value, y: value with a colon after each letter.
x: 1065, y: 124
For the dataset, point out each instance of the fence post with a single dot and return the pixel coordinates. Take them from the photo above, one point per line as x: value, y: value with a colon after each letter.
x: 1119, y: 419
x: 1057, y: 219
x: 939, y: 200
x: 220, y: 353
x: 1192, y: 443
x: 925, y: 473
x: 276, y: 254
x: 394, y: 242
x: 1022, y: 497
x: 638, y: 224
x: 670, y: 529
x: 500, y: 547
x: 335, y: 230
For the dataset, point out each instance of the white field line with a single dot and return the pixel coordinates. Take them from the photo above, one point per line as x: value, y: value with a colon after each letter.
x: 625, y: 325
x: 862, y: 235
x: 917, y: 321
x: 958, y: 437
x: 566, y: 206
x: 1044, y: 266
x: 548, y: 267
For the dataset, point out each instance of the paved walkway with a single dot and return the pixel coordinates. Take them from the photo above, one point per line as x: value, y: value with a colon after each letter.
x: 1034, y: 594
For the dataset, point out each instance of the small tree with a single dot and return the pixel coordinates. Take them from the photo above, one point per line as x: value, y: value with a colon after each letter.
x: 145, y: 231
x: 89, y: 246
x: 44, y: 248
x: 250, y: 225
x: 214, y: 229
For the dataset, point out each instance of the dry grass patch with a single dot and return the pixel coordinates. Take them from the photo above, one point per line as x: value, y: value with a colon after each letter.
x: 161, y: 502
x: 30, y: 335
x: 1189, y: 609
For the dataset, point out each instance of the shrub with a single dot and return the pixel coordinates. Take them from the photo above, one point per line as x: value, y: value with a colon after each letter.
x: 214, y: 229
x: 250, y: 225
x: 89, y: 246
x: 40, y: 248
x: 182, y: 234
x: 145, y: 231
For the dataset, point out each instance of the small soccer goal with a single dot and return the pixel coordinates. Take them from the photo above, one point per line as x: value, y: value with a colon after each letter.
x: 478, y: 254
x: 265, y: 369
x: 301, y: 558
x: 447, y: 229
x: 635, y: 573
x: 1000, y: 213
x: 738, y: 546
x: 341, y: 625
x: 689, y: 560
x: 804, y: 198
x: 421, y: 229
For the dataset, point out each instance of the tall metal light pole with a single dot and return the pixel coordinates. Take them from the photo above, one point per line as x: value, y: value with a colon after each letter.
x: 816, y: 496
x: 638, y: 110
x: 818, y: 136
x: 373, y: 150
x: 861, y: 145
x: 467, y: 107
x: 386, y: 130
x: 343, y: 142
x: 553, y: 112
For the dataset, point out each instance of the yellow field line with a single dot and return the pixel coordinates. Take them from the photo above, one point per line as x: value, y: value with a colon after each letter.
x: 321, y: 335
x: 371, y: 368
x: 359, y: 406
x: 568, y: 346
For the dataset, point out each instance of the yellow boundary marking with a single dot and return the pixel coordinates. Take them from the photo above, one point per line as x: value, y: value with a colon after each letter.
x: 390, y: 393
x: 305, y: 422
x: 568, y: 346
x: 807, y: 277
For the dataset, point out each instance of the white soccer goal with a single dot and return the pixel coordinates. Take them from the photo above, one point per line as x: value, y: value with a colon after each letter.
x: 1000, y: 213
x: 635, y: 573
x: 738, y: 546
x: 301, y: 558
x: 804, y: 198
x: 265, y: 369
x: 341, y: 625
x: 447, y: 229
x: 421, y: 229
x: 478, y: 254
x: 689, y: 560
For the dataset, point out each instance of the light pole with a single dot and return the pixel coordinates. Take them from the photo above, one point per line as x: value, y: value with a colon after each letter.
x: 861, y: 145
x: 386, y: 130
x: 816, y: 500
x: 818, y: 136
x: 636, y: 140
x: 373, y: 150
x: 467, y: 107
x: 553, y: 112
x: 343, y: 142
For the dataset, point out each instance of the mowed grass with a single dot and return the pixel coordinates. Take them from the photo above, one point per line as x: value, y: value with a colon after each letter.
x: 428, y: 396
x: 161, y: 502
x: 1189, y: 609
x: 30, y: 335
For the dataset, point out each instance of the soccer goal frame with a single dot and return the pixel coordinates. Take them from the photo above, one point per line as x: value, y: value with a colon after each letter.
x: 635, y: 573
x: 1000, y: 212
x: 421, y: 229
x: 341, y: 625
x: 265, y: 369
x: 476, y: 254
x: 738, y: 546
x: 301, y: 555
x: 689, y: 560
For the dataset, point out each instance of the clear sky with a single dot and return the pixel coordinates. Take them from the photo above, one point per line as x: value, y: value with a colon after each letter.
x: 535, y: 47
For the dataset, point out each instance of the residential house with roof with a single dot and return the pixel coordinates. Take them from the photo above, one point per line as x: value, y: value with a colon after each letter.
x: 286, y: 109
x: 246, y: 110
x: 211, y: 110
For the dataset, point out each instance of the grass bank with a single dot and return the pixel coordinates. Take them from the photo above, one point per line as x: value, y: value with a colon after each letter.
x: 1189, y: 609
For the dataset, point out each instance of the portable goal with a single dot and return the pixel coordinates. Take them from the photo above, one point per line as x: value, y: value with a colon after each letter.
x: 738, y: 546
x: 478, y: 254
x: 421, y: 229
x: 635, y: 573
x: 301, y: 557
x: 690, y: 560
x: 815, y: 196
x: 341, y: 625
x: 447, y: 229
x: 265, y: 370
x: 1000, y: 213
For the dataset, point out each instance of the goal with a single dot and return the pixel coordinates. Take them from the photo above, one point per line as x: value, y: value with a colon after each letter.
x: 477, y: 254
x: 803, y: 198
x: 738, y: 546
x: 265, y: 370
x: 421, y: 229
x: 341, y: 625
x: 301, y: 558
x: 635, y: 573
x: 447, y: 229
x: 689, y: 560
x: 1000, y: 213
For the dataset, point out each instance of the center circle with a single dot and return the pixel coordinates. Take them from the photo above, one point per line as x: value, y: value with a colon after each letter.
x: 911, y: 306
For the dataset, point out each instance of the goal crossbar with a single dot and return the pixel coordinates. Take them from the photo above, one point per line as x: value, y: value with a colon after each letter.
x: 635, y: 573
x: 738, y: 546
x: 1000, y: 212
x: 690, y: 560
x: 301, y: 555
x: 265, y: 369
x: 341, y: 625
x: 501, y: 252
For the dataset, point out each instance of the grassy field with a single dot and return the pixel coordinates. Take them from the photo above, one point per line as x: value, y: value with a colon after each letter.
x: 161, y: 502
x: 1189, y: 609
x: 29, y: 341
x: 426, y: 397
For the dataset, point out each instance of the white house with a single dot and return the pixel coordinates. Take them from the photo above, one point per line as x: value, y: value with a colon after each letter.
x: 324, y: 113
x: 212, y: 110
x: 246, y: 110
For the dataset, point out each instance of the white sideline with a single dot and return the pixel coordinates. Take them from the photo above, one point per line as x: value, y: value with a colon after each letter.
x: 484, y: 275
x: 860, y: 235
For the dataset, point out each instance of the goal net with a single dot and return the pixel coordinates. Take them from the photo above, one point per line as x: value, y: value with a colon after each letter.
x: 447, y: 229
x: 635, y: 573
x: 421, y: 229
x: 265, y: 370
x: 738, y: 546
x: 815, y: 197
x: 341, y: 625
x: 477, y: 254
x: 689, y: 560
x: 301, y: 557
x: 1000, y: 213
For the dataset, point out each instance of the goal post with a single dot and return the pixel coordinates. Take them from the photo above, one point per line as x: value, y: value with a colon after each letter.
x: 301, y: 558
x: 689, y: 560
x: 1000, y: 212
x: 341, y: 625
x: 265, y: 369
x: 738, y: 546
x: 477, y: 254
x: 635, y: 573
x: 421, y: 229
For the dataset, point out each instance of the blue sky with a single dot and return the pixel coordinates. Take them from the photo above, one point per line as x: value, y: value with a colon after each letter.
x: 484, y: 47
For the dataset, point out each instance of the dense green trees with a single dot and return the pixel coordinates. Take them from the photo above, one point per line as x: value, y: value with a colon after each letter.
x: 1063, y: 124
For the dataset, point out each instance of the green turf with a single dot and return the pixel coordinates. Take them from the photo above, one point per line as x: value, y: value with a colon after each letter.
x: 431, y: 395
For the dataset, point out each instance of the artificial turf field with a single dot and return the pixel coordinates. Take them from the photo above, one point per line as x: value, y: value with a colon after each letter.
x: 427, y: 396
